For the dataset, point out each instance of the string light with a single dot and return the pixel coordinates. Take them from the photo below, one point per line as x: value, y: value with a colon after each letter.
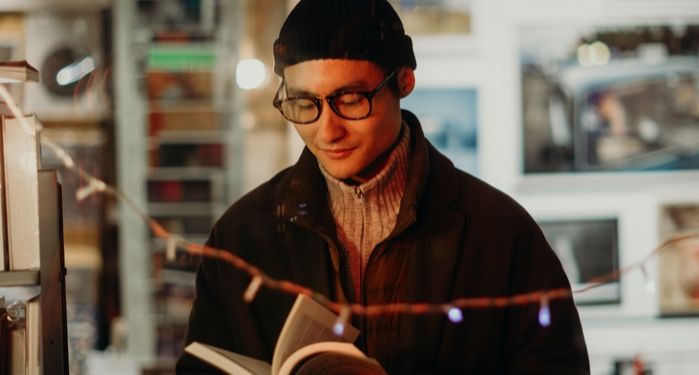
x: 342, y: 319
x: 171, y: 247
x: 544, y: 312
x: 452, y: 309
x: 252, y: 289
x: 648, y: 280
x: 455, y: 315
x: 92, y: 187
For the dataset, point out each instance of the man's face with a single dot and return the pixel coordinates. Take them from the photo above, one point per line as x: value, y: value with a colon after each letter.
x: 346, y: 148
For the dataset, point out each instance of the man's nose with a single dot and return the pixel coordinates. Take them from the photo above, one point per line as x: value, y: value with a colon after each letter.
x: 331, y: 127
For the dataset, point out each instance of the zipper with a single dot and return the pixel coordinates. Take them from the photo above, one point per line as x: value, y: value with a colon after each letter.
x: 358, y: 192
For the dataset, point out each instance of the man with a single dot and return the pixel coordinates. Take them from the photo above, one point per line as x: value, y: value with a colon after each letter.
x: 371, y: 213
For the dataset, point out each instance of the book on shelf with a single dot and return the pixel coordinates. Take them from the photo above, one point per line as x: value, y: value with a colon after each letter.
x: 4, y: 345
x: 33, y: 332
x: 307, y: 344
x: 21, y: 339
x: 4, y: 256
x: 21, y: 156
x: 17, y: 71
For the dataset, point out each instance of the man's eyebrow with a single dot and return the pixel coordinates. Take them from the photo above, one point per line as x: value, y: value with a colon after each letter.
x: 298, y: 92
x: 360, y: 84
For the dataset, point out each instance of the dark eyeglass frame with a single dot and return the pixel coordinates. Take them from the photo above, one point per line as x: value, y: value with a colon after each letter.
x: 318, y: 100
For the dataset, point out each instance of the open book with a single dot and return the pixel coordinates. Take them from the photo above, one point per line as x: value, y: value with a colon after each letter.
x: 307, y: 344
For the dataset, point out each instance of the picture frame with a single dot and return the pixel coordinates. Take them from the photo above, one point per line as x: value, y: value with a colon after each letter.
x: 449, y: 119
x: 679, y: 262
x: 587, y: 248
x: 609, y: 98
x: 630, y: 217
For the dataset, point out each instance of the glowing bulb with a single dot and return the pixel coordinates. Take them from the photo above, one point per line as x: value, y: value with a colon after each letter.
x: 599, y: 53
x: 584, y: 55
x: 339, y: 328
x: 252, y: 289
x: 455, y: 315
x: 249, y: 74
x: 544, y: 313
x: 171, y: 248
x: 650, y: 284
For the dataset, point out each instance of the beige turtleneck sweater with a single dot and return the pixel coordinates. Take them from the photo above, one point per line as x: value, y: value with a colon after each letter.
x: 366, y: 214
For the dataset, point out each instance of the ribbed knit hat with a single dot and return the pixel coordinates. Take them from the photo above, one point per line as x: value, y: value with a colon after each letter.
x: 343, y: 29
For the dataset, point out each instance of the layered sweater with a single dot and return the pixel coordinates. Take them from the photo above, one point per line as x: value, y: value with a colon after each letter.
x: 366, y: 214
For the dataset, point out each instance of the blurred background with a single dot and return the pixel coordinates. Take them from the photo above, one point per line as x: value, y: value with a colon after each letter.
x: 587, y: 113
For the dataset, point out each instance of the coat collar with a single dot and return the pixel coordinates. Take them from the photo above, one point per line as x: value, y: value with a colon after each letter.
x: 304, y: 195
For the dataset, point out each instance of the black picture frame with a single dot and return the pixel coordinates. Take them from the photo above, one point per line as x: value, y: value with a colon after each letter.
x: 588, y: 249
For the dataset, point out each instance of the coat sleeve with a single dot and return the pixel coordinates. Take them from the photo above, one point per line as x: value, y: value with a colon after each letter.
x: 207, y: 320
x: 558, y: 348
x: 219, y: 317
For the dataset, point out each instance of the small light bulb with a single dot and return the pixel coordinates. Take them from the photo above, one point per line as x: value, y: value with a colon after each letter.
x: 339, y: 328
x: 544, y: 313
x: 171, y: 247
x: 650, y: 284
x: 252, y: 289
x: 455, y: 315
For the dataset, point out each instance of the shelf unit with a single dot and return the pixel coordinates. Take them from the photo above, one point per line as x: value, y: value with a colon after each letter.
x: 179, y: 158
x: 49, y: 278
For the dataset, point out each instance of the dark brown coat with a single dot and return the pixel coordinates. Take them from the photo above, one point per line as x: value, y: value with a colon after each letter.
x: 455, y: 237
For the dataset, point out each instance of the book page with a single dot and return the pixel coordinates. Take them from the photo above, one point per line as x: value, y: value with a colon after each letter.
x: 231, y: 363
x: 335, y: 358
x: 308, y: 322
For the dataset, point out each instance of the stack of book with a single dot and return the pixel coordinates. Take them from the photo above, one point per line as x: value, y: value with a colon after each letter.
x: 20, y: 156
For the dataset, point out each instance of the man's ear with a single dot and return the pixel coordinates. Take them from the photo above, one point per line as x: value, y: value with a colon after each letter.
x: 406, y: 81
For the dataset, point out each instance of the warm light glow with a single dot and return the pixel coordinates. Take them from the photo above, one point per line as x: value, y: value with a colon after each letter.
x: 249, y: 74
x: 594, y: 54
x: 599, y: 53
x: 584, y: 55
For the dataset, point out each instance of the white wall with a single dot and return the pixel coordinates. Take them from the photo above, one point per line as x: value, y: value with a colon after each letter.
x: 611, y: 331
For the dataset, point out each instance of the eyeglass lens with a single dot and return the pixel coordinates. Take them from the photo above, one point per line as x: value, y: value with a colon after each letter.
x: 348, y: 105
x: 351, y: 106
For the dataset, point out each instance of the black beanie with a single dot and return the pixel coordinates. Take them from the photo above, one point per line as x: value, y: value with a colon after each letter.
x: 343, y: 29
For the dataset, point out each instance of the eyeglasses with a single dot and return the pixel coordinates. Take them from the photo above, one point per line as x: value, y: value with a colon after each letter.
x: 350, y: 105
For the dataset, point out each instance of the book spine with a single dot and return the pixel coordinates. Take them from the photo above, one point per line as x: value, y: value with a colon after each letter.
x: 4, y: 256
x: 21, y: 164
x: 33, y: 344
x: 4, y: 339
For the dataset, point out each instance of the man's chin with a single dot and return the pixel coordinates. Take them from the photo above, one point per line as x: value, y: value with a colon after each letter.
x: 339, y: 171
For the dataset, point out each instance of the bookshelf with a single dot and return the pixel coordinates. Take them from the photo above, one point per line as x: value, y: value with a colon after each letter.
x: 49, y: 278
x: 179, y: 157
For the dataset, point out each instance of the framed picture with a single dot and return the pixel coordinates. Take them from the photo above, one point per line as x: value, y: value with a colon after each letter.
x: 610, y: 98
x: 448, y: 117
x: 595, y: 234
x: 587, y: 249
x: 679, y: 263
